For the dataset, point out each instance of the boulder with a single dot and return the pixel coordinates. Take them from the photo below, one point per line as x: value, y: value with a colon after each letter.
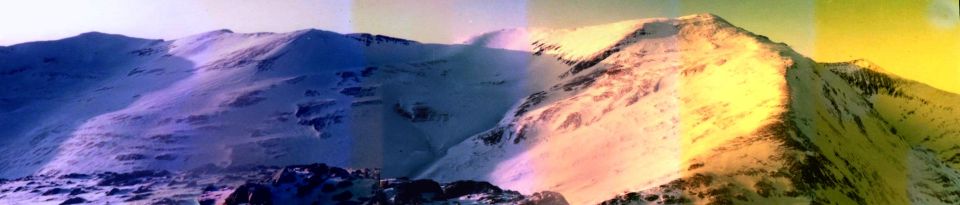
x: 250, y: 193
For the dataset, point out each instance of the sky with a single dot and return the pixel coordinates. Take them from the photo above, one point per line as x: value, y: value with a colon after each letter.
x: 917, y: 39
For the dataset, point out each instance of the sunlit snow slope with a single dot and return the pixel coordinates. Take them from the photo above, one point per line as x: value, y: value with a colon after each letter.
x: 697, y: 110
x: 691, y: 110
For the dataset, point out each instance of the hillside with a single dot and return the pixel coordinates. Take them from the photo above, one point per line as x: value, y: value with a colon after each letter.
x: 684, y: 110
x: 695, y: 109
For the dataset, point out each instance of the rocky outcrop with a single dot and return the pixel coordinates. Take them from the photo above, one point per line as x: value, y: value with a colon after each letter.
x: 296, y: 184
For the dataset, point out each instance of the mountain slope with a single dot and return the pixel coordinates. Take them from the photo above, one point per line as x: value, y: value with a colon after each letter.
x: 230, y: 99
x: 695, y: 109
x: 685, y: 110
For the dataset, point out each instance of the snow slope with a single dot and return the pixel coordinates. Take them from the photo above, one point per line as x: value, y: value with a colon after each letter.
x: 103, y: 102
x: 691, y: 109
x: 697, y: 110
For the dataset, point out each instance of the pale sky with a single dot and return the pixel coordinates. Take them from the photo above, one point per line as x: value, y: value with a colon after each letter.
x: 434, y: 21
x: 918, y: 39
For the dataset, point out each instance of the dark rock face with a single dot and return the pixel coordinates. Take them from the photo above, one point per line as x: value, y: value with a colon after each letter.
x: 418, y: 191
x: 344, y: 184
x: 327, y: 188
x: 168, y: 201
x: 358, y: 92
x: 76, y: 191
x: 126, y: 179
x: 368, y: 39
x: 142, y: 189
x: 130, y: 157
x: 339, y: 172
x: 532, y: 100
x: 283, y: 176
x: 462, y: 188
x: 166, y: 157
x: 320, y: 123
x: 545, y: 198
x: 52, y: 192
x: 244, y: 99
x: 207, y: 202
x: 74, y: 200
x: 69, y: 176
x: 493, y: 136
x: 322, y: 184
x: 343, y: 196
x: 298, y: 184
x: 113, y: 191
x: 313, y: 108
x: 253, y: 194
x: 418, y: 112
x: 318, y: 169
x: 138, y: 197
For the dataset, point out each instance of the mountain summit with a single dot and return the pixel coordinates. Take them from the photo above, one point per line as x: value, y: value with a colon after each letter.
x: 666, y: 110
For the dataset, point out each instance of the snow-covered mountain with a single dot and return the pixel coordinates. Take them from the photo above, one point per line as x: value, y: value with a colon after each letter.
x: 106, y: 102
x: 691, y: 109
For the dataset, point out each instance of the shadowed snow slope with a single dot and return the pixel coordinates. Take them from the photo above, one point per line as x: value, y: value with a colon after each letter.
x: 101, y: 102
x: 691, y: 109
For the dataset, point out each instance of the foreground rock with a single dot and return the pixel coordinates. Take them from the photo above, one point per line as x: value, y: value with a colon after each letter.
x: 298, y: 184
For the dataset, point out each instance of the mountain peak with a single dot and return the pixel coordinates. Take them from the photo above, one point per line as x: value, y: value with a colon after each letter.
x: 98, y: 35
x: 221, y: 31
x: 858, y: 65
x: 701, y: 16
x: 862, y: 62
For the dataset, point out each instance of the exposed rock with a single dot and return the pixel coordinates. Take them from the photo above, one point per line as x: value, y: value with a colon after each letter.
x: 253, y: 194
x: 283, y: 176
x: 418, y: 191
x: 545, y: 198
x: 207, y: 201
x: 142, y: 189
x: 262, y: 185
x: 74, y: 200
x: 461, y: 188
x: 344, y: 184
x: 126, y: 179
x: 327, y: 188
x: 166, y: 157
x: 244, y: 99
x: 76, y: 191
x: 113, y: 191
x: 339, y: 172
x: 343, y: 196
x: 129, y: 157
x: 52, y: 191
x: 71, y: 176
x: 138, y: 197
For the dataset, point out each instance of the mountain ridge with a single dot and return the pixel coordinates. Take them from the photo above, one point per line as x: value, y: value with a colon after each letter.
x: 807, y: 170
x: 665, y: 110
